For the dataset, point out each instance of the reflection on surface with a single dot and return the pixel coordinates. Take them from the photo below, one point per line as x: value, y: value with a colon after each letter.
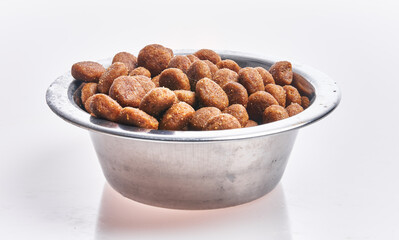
x: 121, y: 218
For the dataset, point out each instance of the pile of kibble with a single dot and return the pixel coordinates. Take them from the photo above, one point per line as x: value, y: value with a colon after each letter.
x: 160, y: 90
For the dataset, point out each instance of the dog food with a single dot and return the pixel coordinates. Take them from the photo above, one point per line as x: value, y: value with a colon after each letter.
x: 140, y: 71
x: 177, y: 117
x: 199, y: 91
x: 174, y: 79
x: 294, y: 109
x: 251, y: 80
x: 137, y: 118
x: 116, y: 70
x: 210, y: 94
x: 229, y: 64
x: 87, y: 71
x: 201, y: 117
x: 221, y: 122
x: 126, y: 58
x: 274, y: 113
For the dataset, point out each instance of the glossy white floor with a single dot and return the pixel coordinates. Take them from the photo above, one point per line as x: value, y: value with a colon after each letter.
x: 341, y: 181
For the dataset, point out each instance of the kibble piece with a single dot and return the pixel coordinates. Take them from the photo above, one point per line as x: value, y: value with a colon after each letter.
x: 140, y: 71
x: 87, y: 71
x: 155, y: 80
x: 251, y: 80
x: 238, y: 111
x: 174, y: 79
x: 282, y: 72
x: 201, y: 117
x: 303, y: 86
x: 192, y: 58
x: 88, y: 90
x: 305, y: 102
x: 197, y: 71
x: 274, y: 113
x: 221, y: 122
x: 212, y: 67
x: 225, y: 75
x: 251, y: 123
x: 257, y: 103
x: 126, y: 58
x: 102, y: 106
x: 145, y: 82
x: 277, y: 92
x: 155, y: 58
x: 229, y: 64
x: 293, y: 109
x: 186, y: 96
x: 137, y: 118
x: 177, y: 117
x: 127, y: 91
x: 236, y: 93
x: 114, y: 71
x: 207, y: 54
x: 181, y: 62
x: 210, y: 94
x: 266, y: 76
x: 158, y: 100
x: 292, y: 95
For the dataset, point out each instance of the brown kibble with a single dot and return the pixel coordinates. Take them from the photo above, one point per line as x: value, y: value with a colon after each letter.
x: 304, y: 87
x: 145, y: 82
x: 127, y: 91
x: 238, y: 111
x: 137, y: 118
x: 257, y: 103
x: 192, y: 58
x: 87, y: 71
x: 277, y: 92
x: 88, y: 90
x: 305, y: 102
x: 126, y: 58
x: 207, y: 54
x: 102, y: 106
x: 210, y: 94
x: 140, y: 71
x: 282, y: 72
x: 266, y: 76
x: 181, y: 62
x: 293, y: 109
x: 222, y: 121
x: 274, y: 113
x: 197, y: 71
x: 114, y: 71
x: 251, y: 123
x: 201, y: 117
x: 155, y: 80
x: 158, y: 100
x: 212, y: 67
x: 236, y: 93
x: 251, y: 80
x: 174, y: 79
x: 186, y: 96
x: 292, y: 95
x: 177, y: 117
x: 155, y: 58
x: 225, y: 75
x: 229, y: 64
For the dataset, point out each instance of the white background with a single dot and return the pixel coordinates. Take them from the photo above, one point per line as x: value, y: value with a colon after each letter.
x: 342, y: 178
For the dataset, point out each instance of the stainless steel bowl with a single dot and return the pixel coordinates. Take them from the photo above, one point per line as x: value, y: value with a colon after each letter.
x: 191, y: 169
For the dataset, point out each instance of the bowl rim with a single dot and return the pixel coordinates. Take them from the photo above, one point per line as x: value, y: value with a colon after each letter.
x: 59, y: 97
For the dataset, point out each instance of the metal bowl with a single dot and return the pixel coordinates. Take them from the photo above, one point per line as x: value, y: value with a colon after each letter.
x: 197, y: 169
